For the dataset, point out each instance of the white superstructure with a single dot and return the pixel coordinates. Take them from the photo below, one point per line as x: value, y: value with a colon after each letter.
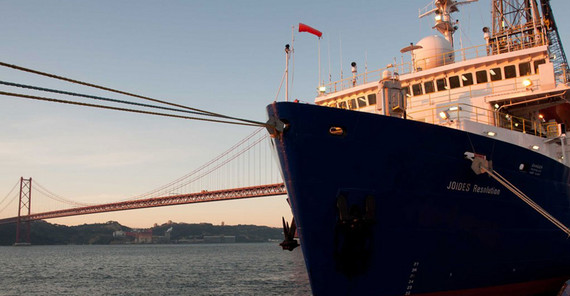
x: 510, y: 88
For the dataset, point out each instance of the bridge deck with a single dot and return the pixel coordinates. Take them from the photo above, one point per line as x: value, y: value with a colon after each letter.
x: 204, y: 196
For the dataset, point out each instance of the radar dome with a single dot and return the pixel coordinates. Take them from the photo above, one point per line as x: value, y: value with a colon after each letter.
x: 436, y: 51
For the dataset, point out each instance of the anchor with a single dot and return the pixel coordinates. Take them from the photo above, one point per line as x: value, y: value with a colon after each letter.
x: 353, y: 235
x: 289, y: 243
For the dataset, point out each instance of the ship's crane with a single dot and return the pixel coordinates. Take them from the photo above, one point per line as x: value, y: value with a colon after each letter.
x: 555, y: 45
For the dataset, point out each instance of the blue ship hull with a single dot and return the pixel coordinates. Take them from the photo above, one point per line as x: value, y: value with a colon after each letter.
x: 392, y: 207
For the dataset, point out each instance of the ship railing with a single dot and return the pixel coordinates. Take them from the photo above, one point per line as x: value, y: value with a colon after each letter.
x: 497, y: 45
x: 451, y: 57
x: 511, y: 87
x: 524, y: 36
x: 404, y: 68
x: 447, y: 114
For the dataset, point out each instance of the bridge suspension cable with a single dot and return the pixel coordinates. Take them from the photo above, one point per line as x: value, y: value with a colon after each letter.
x: 9, y: 201
x: 247, y: 163
x: 45, y: 192
x: 168, y: 187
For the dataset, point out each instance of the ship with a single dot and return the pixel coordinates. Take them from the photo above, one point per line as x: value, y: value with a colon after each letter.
x: 444, y: 175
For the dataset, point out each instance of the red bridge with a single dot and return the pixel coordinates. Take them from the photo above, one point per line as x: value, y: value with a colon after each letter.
x: 236, y: 193
x: 247, y: 169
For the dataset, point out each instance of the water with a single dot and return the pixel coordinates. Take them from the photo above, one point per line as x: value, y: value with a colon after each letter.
x: 214, y: 269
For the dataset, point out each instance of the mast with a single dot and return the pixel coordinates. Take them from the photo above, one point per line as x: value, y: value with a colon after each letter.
x: 443, y: 10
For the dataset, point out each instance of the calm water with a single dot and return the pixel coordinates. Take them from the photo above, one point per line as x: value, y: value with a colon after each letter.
x: 216, y: 269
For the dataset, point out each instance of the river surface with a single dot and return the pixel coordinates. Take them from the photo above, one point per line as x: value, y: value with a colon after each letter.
x: 208, y: 269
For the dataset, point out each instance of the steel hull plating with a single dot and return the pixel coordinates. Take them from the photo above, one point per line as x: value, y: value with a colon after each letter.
x: 392, y: 207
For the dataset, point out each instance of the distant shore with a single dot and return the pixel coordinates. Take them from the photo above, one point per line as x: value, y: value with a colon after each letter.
x: 112, y: 232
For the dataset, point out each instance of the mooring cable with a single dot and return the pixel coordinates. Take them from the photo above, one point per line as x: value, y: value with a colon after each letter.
x: 526, y: 199
x: 124, y: 109
x: 252, y: 122
x: 97, y: 97
x: 481, y: 165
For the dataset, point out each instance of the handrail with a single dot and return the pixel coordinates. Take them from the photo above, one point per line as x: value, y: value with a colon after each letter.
x: 496, y: 45
x: 487, y: 89
x: 459, y: 111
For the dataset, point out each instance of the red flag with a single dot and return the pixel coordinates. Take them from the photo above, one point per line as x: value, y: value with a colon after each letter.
x: 305, y: 28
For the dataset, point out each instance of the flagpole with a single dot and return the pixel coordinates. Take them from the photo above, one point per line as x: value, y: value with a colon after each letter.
x: 340, y: 54
x: 319, y: 49
x: 287, y: 54
x: 305, y: 28
x: 287, y: 50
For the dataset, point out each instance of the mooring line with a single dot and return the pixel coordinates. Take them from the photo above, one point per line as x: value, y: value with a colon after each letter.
x: 204, y: 112
x: 122, y: 109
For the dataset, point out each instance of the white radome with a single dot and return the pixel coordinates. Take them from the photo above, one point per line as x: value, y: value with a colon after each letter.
x: 436, y: 51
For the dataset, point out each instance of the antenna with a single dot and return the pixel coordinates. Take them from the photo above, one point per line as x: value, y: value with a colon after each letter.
x: 365, y: 61
x: 329, y: 56
x: 340, y: 40
x: 443, y: 10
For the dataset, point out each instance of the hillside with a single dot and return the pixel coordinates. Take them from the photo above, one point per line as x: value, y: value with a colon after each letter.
x: 44, y: 233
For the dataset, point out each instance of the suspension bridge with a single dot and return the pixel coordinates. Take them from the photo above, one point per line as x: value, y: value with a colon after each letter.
x: 248, y: 169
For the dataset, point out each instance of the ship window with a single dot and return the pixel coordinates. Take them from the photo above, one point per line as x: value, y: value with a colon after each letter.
x: 441, y: 84
x: 524, y: 69
x: 454, y: 82
x: 495, y: 74
x: 428, y: 87
x: 536, y: 64
x: 467, y: 79
x: 481, y: 76
x: 510, y: 71
x: 372, y: 99
x: 342, y: 105
x: 417, y: 89
x: 361, y: 102
x: 352, y: 104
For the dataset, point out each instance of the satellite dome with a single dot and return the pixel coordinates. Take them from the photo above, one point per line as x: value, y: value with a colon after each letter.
x: 436, y: 51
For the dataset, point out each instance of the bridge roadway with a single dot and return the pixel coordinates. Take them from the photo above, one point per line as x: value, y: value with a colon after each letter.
x: 204, y: 196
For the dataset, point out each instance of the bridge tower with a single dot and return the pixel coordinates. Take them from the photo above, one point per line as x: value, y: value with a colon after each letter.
x: 25, y: 203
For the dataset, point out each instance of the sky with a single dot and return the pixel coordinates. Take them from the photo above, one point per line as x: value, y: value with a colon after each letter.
x: 222, y: 56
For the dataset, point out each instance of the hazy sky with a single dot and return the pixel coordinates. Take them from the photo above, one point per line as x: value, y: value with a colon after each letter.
x: 222, y: 56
